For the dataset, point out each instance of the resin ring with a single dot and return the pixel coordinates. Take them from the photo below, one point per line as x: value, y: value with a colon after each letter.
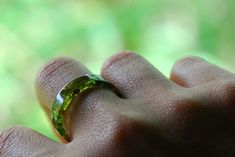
x: 65, y: 100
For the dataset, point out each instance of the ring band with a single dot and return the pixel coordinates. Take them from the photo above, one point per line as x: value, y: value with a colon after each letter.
x: 65, y: 98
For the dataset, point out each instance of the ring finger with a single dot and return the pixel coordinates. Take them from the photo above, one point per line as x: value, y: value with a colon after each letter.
x: 55, y: 75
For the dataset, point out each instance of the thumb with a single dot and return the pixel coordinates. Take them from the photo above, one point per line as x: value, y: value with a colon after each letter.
x: 19, y: 141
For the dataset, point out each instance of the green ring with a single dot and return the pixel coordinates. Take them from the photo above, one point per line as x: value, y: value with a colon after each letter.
x: 68, y: 93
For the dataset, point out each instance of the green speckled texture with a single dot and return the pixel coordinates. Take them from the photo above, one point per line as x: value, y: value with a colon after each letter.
x: 68, y: 93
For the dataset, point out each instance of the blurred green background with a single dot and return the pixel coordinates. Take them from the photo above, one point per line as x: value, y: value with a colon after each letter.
x: 34, y: 31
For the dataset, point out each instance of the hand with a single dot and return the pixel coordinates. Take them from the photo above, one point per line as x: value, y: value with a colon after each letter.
x: 192, y: 114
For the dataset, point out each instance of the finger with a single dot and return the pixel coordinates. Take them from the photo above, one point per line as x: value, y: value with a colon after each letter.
x: 57, y: 73
x: 134, y: 76
x: 193, y: 71
x: 218, y: 94
x: 20, y: 141
x: 53, y: 76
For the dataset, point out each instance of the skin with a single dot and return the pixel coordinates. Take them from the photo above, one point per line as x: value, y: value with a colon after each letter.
x: 189, y: 115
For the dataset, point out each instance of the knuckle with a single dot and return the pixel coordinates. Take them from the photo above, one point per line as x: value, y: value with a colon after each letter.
x: 54, y: 75
x: 8, y: 137
x: 188, y: 61
x: 119, y: 58
x: 52, y: 66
